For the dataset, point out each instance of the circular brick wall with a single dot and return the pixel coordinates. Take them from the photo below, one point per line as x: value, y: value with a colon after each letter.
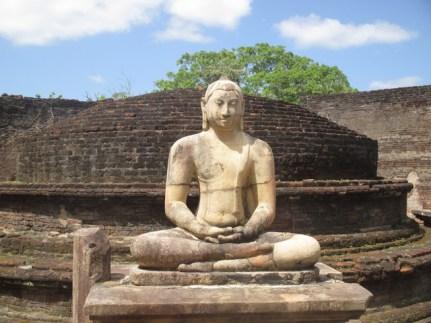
x: 127, y: 141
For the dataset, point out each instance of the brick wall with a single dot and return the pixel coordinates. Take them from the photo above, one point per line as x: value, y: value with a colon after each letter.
x: 399, y: 119
x: 316, y: 207
x: 128, y: 141
x: 18, y: 114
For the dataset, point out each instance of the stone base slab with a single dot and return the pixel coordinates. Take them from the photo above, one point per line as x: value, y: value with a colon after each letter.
x: 142, y: 277
x: 329, y: 301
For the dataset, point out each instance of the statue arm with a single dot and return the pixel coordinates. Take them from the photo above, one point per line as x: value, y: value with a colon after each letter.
x: 263, y: 180
x: 181, y: 169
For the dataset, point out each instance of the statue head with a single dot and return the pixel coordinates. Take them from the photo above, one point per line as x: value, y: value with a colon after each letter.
x: 223, y: 106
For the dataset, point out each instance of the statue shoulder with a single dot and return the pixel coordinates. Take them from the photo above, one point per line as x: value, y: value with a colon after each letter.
x: 184, y: 146
x: 180, y: 165
x: 263, y: 162
x: 259, y: 148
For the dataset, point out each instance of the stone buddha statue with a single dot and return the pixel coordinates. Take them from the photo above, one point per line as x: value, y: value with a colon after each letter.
x: 236, y: 180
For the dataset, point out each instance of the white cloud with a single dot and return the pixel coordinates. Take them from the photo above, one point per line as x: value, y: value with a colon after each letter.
x: 215, y: 13
x: 40, y: 22
x: 96, y: 78
x: 314, y: 31
x: 390, y: 84
x: 182, y: 30
x: 189, y: 16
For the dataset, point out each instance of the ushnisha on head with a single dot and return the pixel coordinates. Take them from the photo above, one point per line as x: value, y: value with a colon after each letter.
x: 223, y: 106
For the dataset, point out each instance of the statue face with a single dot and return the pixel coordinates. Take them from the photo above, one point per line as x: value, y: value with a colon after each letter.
x: 224, y: 110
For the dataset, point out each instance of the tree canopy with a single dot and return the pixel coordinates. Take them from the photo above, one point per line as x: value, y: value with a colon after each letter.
x: 263, y: 70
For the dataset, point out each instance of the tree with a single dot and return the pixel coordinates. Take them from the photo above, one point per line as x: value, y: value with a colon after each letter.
x: 263, y: 70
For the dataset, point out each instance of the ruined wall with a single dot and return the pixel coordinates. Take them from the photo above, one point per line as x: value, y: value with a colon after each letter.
x: 399, y: 119
x: 318, y: 207
x: 128, y: 141
x: 18, y: 114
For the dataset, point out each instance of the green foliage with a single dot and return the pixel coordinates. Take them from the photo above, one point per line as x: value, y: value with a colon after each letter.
x: 51, y: 95
x: 123, y: 92
x: 120, y: 95
x: 263, y: 70
x: 97, y: 97
x: 54, y: 95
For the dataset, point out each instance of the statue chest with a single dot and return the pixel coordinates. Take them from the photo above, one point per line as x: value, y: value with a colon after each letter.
x: 221, y: 167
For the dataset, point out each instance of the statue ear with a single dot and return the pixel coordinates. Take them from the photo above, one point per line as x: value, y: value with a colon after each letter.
x: 241, y: 123
x: 204, y: 115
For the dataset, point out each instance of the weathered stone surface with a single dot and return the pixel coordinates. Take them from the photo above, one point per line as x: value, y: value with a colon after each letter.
x: 329, y: 301
x: 379, y: 265
x: 91, y: 264
x: 302, y: 206
x: 19, y: 115
x: 38, y: 304
x: 398, y: 119
x: 237, y: 200
x: 160, y: 278
x: 326, y: 272
x: 418, y: 313
x: 136, y: 134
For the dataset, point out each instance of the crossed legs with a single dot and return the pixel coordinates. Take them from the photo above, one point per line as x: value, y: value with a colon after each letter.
x: 177, y: 249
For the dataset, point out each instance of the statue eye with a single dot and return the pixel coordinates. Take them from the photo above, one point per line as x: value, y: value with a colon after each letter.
x: 219, y: 102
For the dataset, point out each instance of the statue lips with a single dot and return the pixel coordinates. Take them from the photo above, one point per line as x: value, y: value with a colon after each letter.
x: 225, y: 121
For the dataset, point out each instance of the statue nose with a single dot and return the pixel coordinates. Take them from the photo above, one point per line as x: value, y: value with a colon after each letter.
x: 225, y: 111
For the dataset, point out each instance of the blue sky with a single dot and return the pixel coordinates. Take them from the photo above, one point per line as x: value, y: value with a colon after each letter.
x: 80, y: 48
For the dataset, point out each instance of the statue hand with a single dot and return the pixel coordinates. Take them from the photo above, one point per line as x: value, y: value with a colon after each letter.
x: 216, y: 231
x: 235, y: 237
x: 238, y: 229
x: 250, y: 232
x: 223, y: 235
x: 211, y: 240
x: 211, y: 233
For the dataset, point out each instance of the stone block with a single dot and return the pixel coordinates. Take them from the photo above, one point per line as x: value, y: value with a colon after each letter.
x: 330, y: 301
x: 326, y: 272
x: 142, y: 277
x: 91, y: 264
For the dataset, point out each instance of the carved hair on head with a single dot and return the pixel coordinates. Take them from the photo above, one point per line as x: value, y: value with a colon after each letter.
x: 223, y: 84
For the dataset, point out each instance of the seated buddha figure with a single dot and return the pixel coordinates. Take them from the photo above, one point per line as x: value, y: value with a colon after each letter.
x: 237, y: 196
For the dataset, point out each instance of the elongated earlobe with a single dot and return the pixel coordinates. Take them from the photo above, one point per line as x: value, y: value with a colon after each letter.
x: 204, y: 120
x: 241, y: 123
x: 204, y: 115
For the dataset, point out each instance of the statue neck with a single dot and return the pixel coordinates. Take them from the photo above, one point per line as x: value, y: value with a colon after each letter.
x: 225, y: 135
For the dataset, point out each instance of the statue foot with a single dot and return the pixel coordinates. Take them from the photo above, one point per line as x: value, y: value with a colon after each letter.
x: 206, y: 266
x: 221, y: 265
x: 257, y: 263
x: 261, y: 262
x: 245, y: 250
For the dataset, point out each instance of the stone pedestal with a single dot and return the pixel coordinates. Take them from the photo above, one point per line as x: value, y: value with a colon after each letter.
x: 323, y: 302
x: 323, y: 299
